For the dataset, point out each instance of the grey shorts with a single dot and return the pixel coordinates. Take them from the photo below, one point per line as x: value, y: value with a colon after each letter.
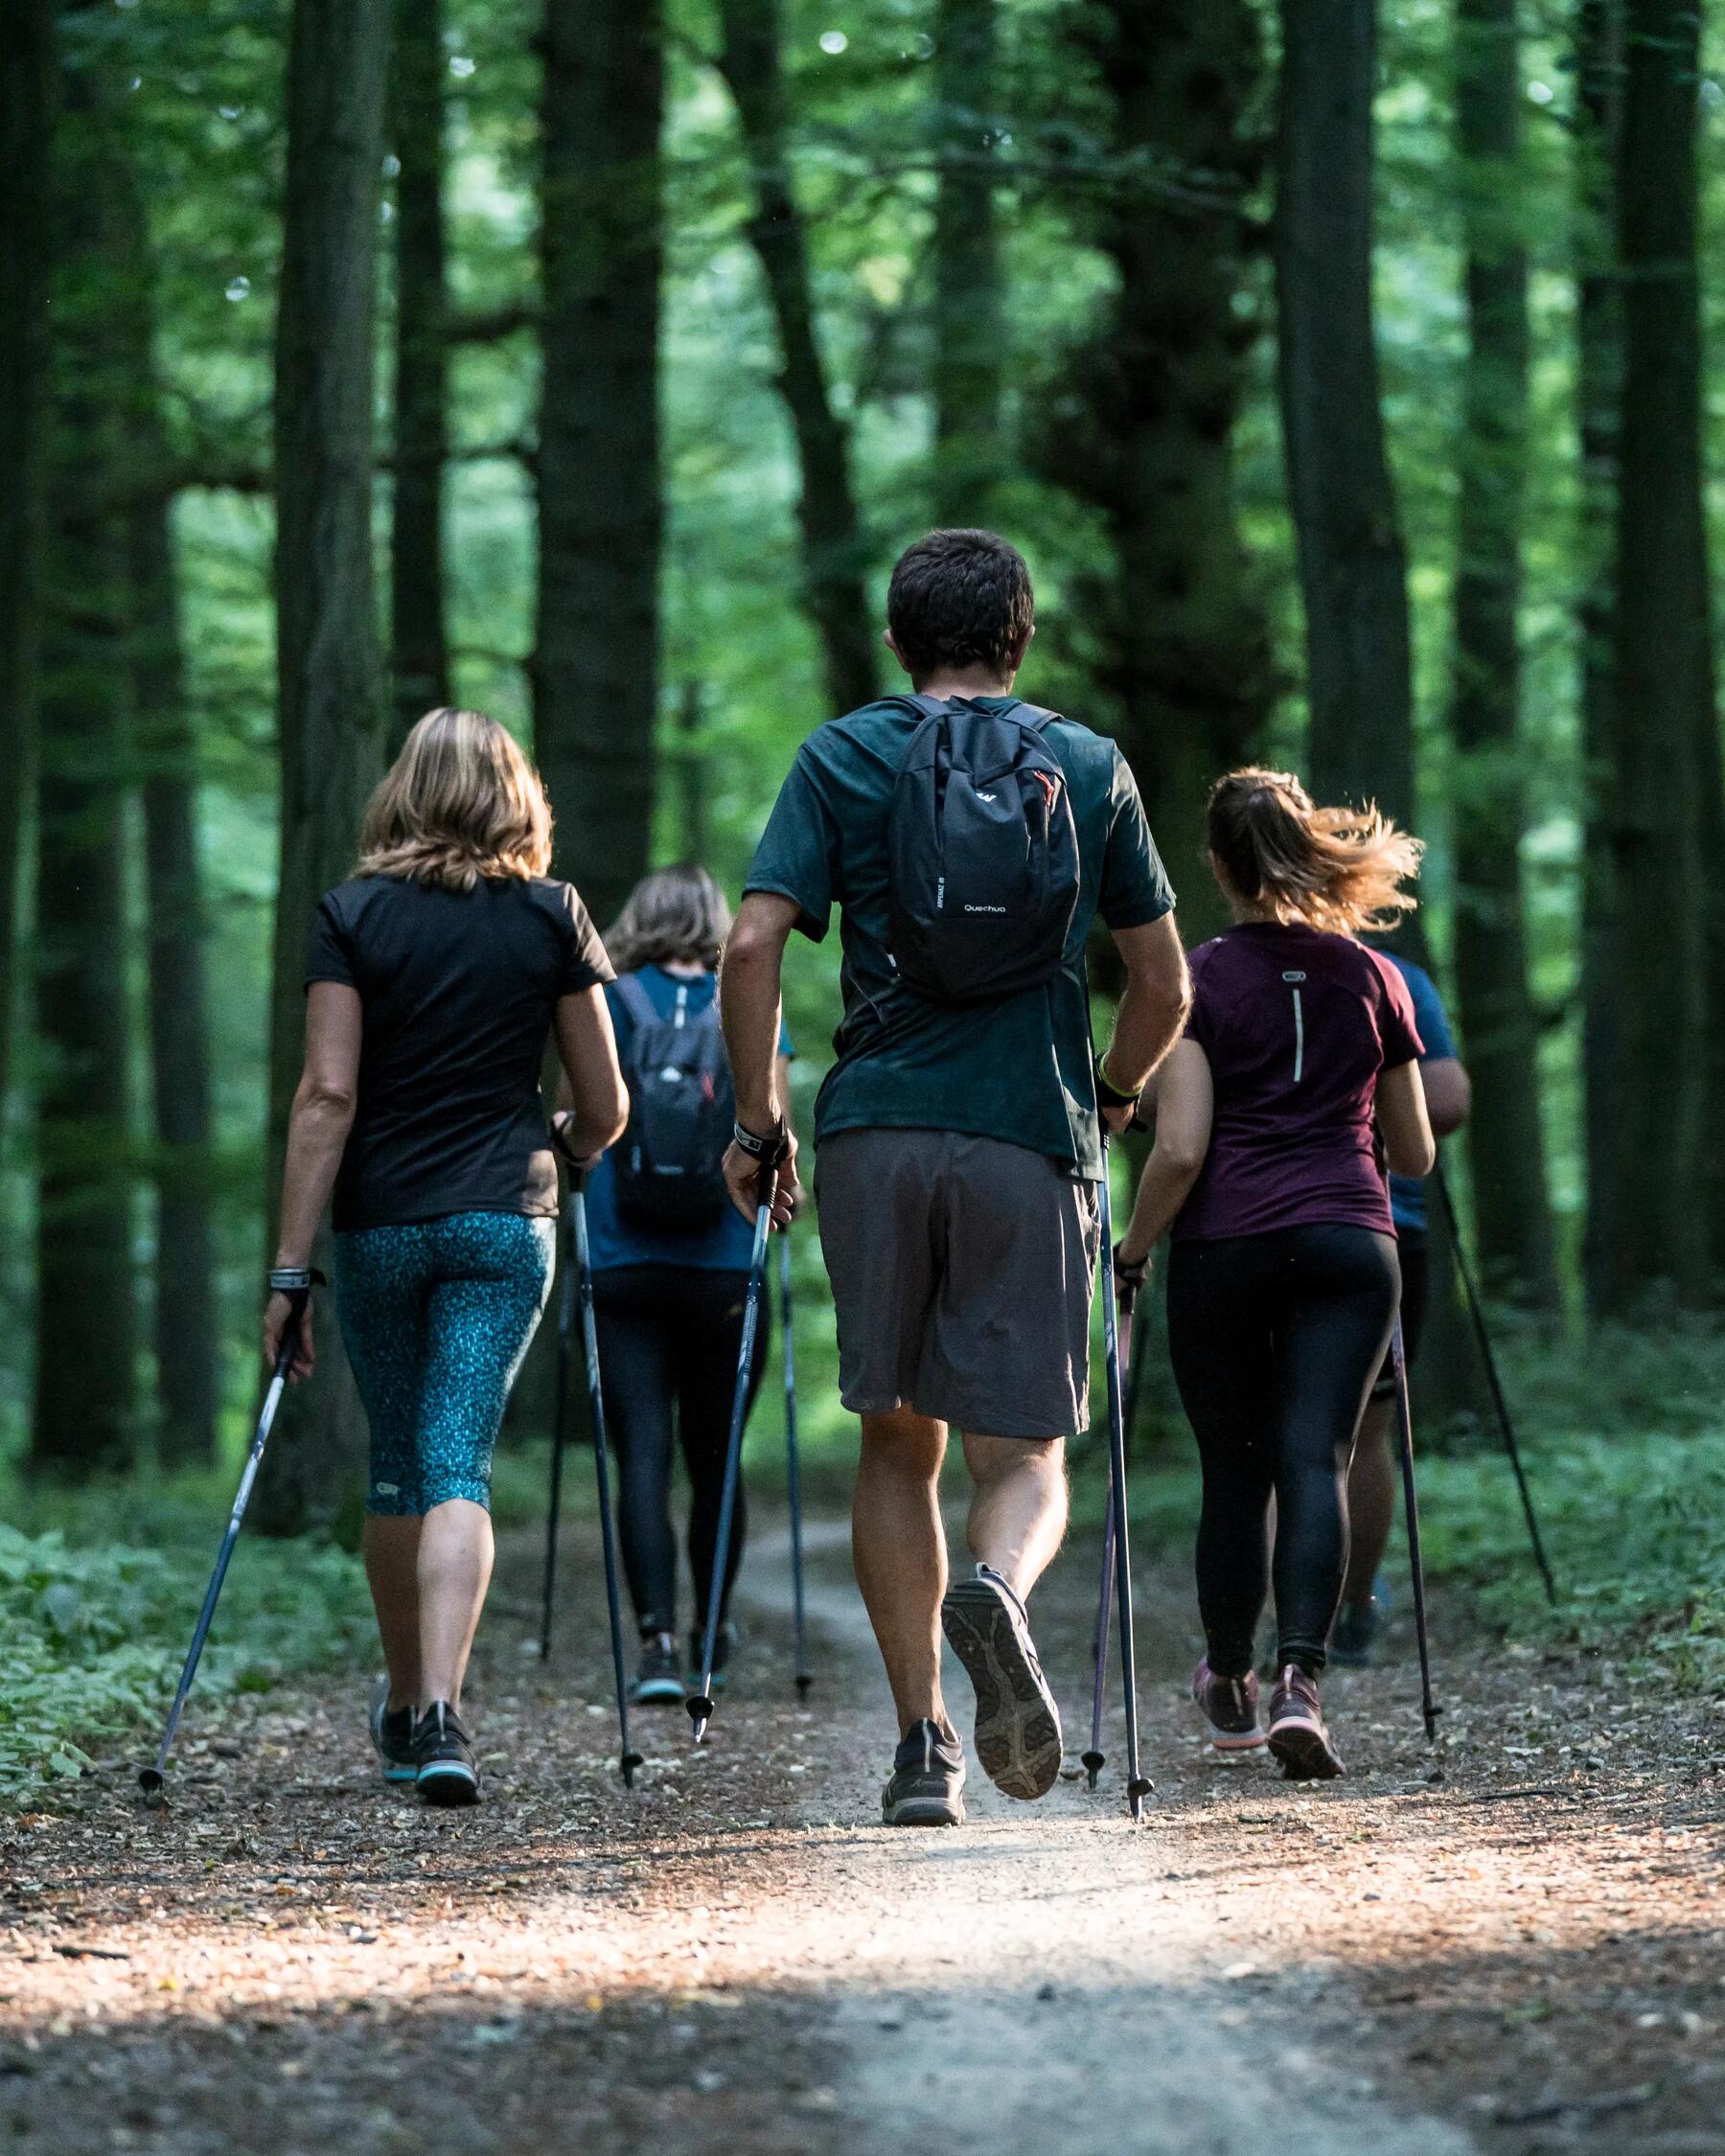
x: 962, y: 1269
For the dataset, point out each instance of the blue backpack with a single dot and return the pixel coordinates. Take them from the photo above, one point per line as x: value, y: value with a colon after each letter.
x: 681, y: 1106
x: 981, y: 854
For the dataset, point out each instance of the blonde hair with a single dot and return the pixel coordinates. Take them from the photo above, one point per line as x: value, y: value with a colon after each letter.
x: 674, y: 913
x: 458, y: 804
x: 1340, y: 869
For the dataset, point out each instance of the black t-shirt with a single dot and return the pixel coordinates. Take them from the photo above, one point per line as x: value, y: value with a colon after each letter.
x: 458, y: 992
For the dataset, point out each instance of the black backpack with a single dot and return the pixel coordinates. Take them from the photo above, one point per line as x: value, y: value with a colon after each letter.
x: 681, y: 1106
x: 981, y: 854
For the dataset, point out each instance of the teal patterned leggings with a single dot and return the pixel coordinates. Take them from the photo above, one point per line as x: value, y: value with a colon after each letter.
x: 436, y: 1317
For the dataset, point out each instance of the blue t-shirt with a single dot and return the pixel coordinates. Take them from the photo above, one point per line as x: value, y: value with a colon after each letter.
x: 1408, y: 1193
x: 723, y: 1244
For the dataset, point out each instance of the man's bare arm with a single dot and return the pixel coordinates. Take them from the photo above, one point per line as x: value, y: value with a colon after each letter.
x: 1153, y: 1011
x: 750, y: 1012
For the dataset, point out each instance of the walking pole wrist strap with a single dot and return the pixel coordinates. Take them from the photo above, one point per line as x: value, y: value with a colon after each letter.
x: 1129, y: 1278
x: 295, y: 1281
x: 768, y: 1152
x: 1108, y: 1095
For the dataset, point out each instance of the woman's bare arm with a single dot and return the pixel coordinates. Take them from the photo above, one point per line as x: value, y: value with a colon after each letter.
x: 586, y: 1047
x: 1184, y: 1110
x: 1406, y: 1128
x: 317, y: 1133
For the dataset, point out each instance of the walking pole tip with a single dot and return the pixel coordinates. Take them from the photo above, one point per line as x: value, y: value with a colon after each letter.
x: 803, y: 1682
x: 631, y: 1761
x: 701, y: 1713
x: 1093, y: 1763
x: 152, y: 1782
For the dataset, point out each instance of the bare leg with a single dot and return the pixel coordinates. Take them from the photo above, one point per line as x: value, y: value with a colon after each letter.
x: 1017, y: 1513
x: 391, y: 1544
x: 1371, y: 1501
x: 454, y: 1571
x: 900, y: 1548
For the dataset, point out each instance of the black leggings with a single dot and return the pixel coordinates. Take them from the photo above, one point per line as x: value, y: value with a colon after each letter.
x: 1275, y: 1340
x: 669, y: 1338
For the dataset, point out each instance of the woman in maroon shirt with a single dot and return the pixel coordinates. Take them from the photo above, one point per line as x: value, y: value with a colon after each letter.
x: 1296, y: 1082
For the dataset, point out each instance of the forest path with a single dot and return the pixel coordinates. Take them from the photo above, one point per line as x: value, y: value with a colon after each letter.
x: 1518, y: 1935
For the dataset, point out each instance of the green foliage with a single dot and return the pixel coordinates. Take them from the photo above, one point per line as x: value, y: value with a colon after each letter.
x: 92, y: 1631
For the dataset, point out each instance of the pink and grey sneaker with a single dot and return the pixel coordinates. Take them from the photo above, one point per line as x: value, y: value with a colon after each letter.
x: 1230, y: 1705
x: 1297, y: 1735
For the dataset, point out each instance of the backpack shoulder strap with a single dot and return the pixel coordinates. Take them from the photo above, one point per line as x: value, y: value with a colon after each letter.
x: 631, y: 993
x: 1034, y: 717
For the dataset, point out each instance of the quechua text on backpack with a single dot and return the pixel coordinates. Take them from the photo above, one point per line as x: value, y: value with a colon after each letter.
x: 982, y: 853
x: 681, y: 1106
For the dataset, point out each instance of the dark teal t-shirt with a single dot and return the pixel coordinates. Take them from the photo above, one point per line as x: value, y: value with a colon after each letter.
x: 1019, y: 1070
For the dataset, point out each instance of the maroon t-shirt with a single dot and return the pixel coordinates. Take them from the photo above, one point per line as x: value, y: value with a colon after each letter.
x: 1296, y: 1025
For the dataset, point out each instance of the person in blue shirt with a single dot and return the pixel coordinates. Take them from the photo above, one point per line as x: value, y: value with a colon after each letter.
x: 1372, y: 1477
x: 670, y: 1277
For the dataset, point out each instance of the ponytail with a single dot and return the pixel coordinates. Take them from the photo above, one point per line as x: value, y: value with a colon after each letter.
x: 1340, y: 869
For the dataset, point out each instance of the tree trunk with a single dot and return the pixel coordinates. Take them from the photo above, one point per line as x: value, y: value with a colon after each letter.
x: 1599, y: 388
x: 1506, y: 1133
x: 330, y: 700
x: 834, y: 546
x: 1158, y: 385
x: 82, y: 1421
x: 970, y: 330
x: 596, y: 668
x: 1352, y: 559
x: 1664, y: 717
x: 28, y: 95
x: 419, y: 647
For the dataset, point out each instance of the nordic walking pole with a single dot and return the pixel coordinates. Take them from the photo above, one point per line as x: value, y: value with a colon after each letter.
x: 794, y: 1474
x: 1411, y: 1506
x: 1476, y: 1309
x: 565, y: 1348
x: 1138, y: 1786
x: 629, y: 1758
x: 701, y: 1704
x: 153, y: 1779
x: 1095, y: 1758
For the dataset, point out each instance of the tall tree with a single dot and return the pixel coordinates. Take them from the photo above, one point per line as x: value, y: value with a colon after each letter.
x: 969, y: 326
x: 84, y: 1329
x: 596, y: 670
x: 834, y: 544
x: 1352, y: 557
x: 1506, y: 1133
x: 1598, y: 73
x: 1156, y: 387
x: 28, y: 95
x: 419, y: 643
x: 1666, y: 756
x: 329, y: 686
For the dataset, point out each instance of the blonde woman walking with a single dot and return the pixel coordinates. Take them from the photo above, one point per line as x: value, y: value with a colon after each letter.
x: 436, y: 976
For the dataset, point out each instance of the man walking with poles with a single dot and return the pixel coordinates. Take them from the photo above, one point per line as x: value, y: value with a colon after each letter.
x: 969, y: 840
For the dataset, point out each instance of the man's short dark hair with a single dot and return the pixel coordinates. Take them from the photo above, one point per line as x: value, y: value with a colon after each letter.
x: 960, y: 598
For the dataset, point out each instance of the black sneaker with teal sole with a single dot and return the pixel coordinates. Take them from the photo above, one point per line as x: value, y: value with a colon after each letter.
x: 658, y: 1674
x: 1018, y: 1724
x: 449, y: 1772
x: 392, y: 1736
x: 927, y: 1788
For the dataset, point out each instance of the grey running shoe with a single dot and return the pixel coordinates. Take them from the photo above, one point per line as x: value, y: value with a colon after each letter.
x: 658, y: 1674
x: 1229, y: 1706
x: 448, y: 1773
x: 1018, y: 1724
x: 1297, y: 1735
x: 927, y: 1781
x: 392, y: 1736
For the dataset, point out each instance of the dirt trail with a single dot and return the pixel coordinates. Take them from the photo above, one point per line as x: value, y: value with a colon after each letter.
x: 1511, y: 1945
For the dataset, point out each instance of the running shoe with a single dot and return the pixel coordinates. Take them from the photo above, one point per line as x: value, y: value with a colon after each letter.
x: 392, y: 1736
x: 449, y: 1772
x: 722, y: 1647
x: 1297, y: 1735
x: 1354, y: 1635
x: 1230, y: 1705
x: 927, y: 1788
x: 658, y: 1674
x: 1018, y: 1724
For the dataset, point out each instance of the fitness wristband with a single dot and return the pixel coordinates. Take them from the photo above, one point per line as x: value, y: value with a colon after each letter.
x: 1110, y: 1095
x: 294, y: 1279
x: 769, y: 1152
